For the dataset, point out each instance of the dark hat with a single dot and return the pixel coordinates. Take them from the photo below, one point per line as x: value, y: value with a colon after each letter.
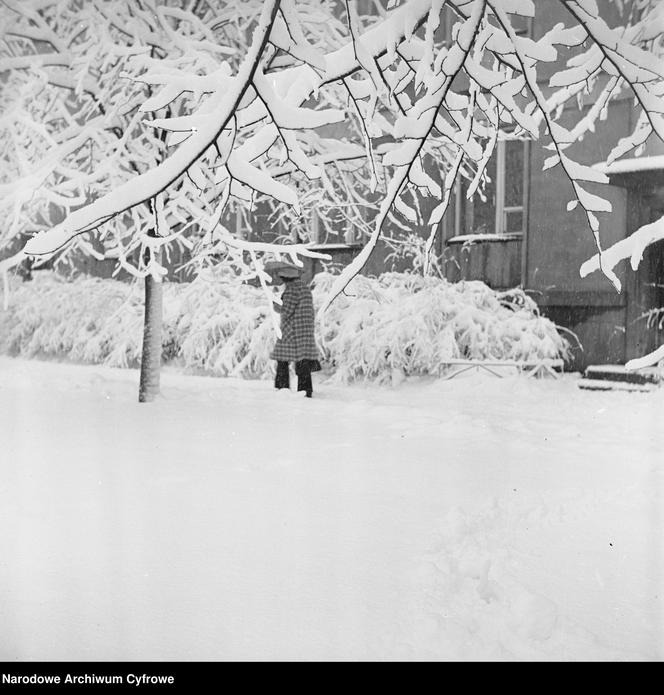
x: 282, y: 269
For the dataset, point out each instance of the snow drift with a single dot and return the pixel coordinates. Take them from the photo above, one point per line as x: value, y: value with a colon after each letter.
x: 398, y: 323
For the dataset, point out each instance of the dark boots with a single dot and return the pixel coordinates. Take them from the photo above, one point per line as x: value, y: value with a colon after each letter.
x: 303, y: 371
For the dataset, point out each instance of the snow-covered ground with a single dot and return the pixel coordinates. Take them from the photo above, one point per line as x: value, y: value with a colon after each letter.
x: 476, y: 518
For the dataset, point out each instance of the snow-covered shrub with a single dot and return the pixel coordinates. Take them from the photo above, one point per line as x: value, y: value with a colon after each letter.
x: 211, y: 324
x: 414, y: 325
x: 397, y: 323
x: 87, y: 320
x: 223, y: 327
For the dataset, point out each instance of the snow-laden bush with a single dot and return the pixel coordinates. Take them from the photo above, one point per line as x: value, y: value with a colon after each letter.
x: 397, y: 323
x: 414, y: 325
x: 222, y: 327
x: 87, y: 320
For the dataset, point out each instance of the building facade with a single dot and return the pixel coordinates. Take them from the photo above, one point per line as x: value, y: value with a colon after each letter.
x: 522, y: 235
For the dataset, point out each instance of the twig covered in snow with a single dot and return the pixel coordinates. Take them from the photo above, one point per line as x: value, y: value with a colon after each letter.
x: 632, y: 247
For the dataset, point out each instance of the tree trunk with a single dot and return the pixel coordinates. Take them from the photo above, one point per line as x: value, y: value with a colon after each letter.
x: 151, y: 352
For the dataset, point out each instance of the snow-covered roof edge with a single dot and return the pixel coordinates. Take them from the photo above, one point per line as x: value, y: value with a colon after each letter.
x: 474, y: 238
x: 628, y: 166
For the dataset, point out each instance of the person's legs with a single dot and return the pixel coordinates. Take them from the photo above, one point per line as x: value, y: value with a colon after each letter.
x: 303, y: 371
x: 282, y: 378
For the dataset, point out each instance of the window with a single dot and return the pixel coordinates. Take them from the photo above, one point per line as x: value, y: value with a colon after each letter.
x: 242, y: 226
x: 316, y: 235
x: 337, y: 230
x: 502, y: 210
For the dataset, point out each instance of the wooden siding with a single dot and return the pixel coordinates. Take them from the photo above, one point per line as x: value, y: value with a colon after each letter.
x: 496, y: 262
x: 598, y: 333
x: 613, y: 327
x: 645, y: 287
x: 560, y: 241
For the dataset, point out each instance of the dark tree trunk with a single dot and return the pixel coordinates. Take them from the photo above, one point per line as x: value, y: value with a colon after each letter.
x: 152, y: 331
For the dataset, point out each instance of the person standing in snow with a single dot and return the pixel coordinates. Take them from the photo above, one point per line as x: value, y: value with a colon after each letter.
x: 297, y: 343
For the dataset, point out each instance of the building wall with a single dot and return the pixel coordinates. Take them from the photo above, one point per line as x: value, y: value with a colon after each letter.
x: 558, y: 242
x: 497, y: 262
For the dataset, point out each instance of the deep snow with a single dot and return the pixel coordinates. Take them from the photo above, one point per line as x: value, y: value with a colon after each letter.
x: 476, y: 518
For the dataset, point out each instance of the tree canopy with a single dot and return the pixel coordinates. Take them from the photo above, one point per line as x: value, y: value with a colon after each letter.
x: 141, y: 121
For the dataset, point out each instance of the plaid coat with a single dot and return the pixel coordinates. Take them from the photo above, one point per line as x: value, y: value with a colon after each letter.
x: 297, y: 340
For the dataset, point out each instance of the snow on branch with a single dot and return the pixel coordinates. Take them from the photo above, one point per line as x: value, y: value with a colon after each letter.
x: 211, y: 120
x: 225, y: 96
x: 652, y: 358
x: 417, y: 129
x: 632, y: 247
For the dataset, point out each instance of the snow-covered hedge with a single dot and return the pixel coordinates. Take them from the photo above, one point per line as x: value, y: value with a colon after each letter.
x: 395, y: 324
x: 413, y: 325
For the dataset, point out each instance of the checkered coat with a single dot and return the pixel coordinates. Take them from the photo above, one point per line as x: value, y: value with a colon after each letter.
x: 297, y: 340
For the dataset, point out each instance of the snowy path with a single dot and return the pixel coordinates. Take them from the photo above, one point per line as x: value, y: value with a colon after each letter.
x: 471, y: 519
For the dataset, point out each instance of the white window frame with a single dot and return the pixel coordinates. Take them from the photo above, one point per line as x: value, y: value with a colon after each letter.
x: 242, y: 230
x: 315, y: 227
x: 500, y: 219
x: 347, y: 236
